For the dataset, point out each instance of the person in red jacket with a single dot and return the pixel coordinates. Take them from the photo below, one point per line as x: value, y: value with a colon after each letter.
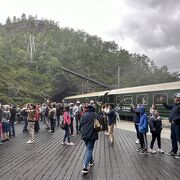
x: 67, y: 122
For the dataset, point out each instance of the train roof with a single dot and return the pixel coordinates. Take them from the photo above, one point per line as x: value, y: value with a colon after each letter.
x: 147, y: 88
x: 93, y: 94
x: 137, y: 89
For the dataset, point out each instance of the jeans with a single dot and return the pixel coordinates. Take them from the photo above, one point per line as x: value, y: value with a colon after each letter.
x: 174, y: 139
x: 66, y: 135
x: 12, y: 133
x: 52, y: 122
x: 89, y: 153
x: 25, y: 123
x: 77, y: 124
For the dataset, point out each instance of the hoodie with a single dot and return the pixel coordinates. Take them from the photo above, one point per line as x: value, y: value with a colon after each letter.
x: 143, y: 123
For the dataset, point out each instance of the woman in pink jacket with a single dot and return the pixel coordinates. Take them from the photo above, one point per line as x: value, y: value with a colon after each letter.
x: 67, y: 122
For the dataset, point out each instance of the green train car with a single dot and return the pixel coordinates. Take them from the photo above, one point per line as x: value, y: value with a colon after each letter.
x: 123, y: 98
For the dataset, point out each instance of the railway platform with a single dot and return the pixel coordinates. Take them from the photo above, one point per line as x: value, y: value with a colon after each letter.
x: 47, y: 159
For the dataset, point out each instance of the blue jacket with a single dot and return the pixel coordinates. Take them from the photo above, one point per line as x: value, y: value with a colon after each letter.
x: 143, y: 123
x: 88, y: 133
x: 174, y: 114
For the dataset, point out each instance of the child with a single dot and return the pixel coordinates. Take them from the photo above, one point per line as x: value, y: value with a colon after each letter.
x: 155, y: 125
x: 143, y: 129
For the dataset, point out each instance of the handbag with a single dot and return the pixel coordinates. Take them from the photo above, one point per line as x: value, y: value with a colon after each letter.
x: 97, y: 125
x: 62, y: 125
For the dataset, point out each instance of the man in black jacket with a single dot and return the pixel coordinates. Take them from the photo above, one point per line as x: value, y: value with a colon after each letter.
x: 174, y: 119
x: 89, y: 135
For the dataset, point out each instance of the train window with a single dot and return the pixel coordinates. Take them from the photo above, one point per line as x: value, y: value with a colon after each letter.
x: 128, y: 99
x: 157, y: 98
x: 142, y: 99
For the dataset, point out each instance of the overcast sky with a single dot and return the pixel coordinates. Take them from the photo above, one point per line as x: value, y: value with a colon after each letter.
x: 150, y: 27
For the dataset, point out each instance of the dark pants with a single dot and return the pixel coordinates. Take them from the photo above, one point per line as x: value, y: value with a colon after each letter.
x: 156, y: 134
x: 137, y: 130
x: 143, y: 140
x: 77, y: 123
x: 58, y: 120
x: 52, y: 122
x: 174, y: 139
x: 71, y: 126
x: 12, y: 129
x: 36, y: 126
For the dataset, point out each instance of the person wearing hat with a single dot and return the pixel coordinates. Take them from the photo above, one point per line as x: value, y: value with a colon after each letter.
x: 111, y: 123
x: 89, y: 135
x: 77, y: 113
x: 174, y: 119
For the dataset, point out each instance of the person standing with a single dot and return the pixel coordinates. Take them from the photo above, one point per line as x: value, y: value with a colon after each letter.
x: 143, y: 129
x: 67, y: 122
x: 174, y: 119
x: 89, y: 135
x: 155, y: 125
x: 136, y: 118
x: 77, y: 113
x: 52, y: 117
x: 31, y: 121
x: 111, y: 122
x: 12, y: 120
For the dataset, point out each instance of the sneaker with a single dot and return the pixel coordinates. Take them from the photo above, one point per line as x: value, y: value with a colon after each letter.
x: 177, y: 156
x: 137, y: 141
x: 50, y: 131
x: 171, y: 153
x: 161, y: 151
x: 146, y: 152
x: 30, y: 141
x: 138, y: 149
x: 70, y: 143
x: 152, y: 151
x: 91, y: 163
x: 63, y: 143
x: 85, y: 170
x: 141, y: 151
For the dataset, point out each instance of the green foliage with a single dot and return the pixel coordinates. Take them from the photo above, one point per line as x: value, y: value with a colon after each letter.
x: 32, y: 52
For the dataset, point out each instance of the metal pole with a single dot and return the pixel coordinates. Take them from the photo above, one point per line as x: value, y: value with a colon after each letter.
x: 118, y: 77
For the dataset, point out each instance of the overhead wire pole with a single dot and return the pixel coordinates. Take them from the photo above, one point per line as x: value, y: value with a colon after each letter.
x: 87, y: 78
x: 118, y: 77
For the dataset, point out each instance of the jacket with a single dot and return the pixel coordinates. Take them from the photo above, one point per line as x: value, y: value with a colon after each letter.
x: 174, y: 114
x: 111, y: 117
x: 136, y: 116
x: 88, y: 133
x: 67, y: 118
x: 143, y: 123
x: 155, y: 124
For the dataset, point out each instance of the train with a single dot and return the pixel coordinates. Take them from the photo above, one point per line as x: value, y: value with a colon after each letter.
x: 123, y: 98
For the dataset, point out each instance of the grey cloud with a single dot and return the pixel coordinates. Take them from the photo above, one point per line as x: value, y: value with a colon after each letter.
x: 154, y: 25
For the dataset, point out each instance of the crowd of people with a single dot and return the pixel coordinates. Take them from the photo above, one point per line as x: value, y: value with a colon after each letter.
x: 83, y: 116
x: 142, y: 122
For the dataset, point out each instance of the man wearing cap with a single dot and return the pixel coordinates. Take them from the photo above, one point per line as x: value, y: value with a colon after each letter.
x: 174, y: 119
